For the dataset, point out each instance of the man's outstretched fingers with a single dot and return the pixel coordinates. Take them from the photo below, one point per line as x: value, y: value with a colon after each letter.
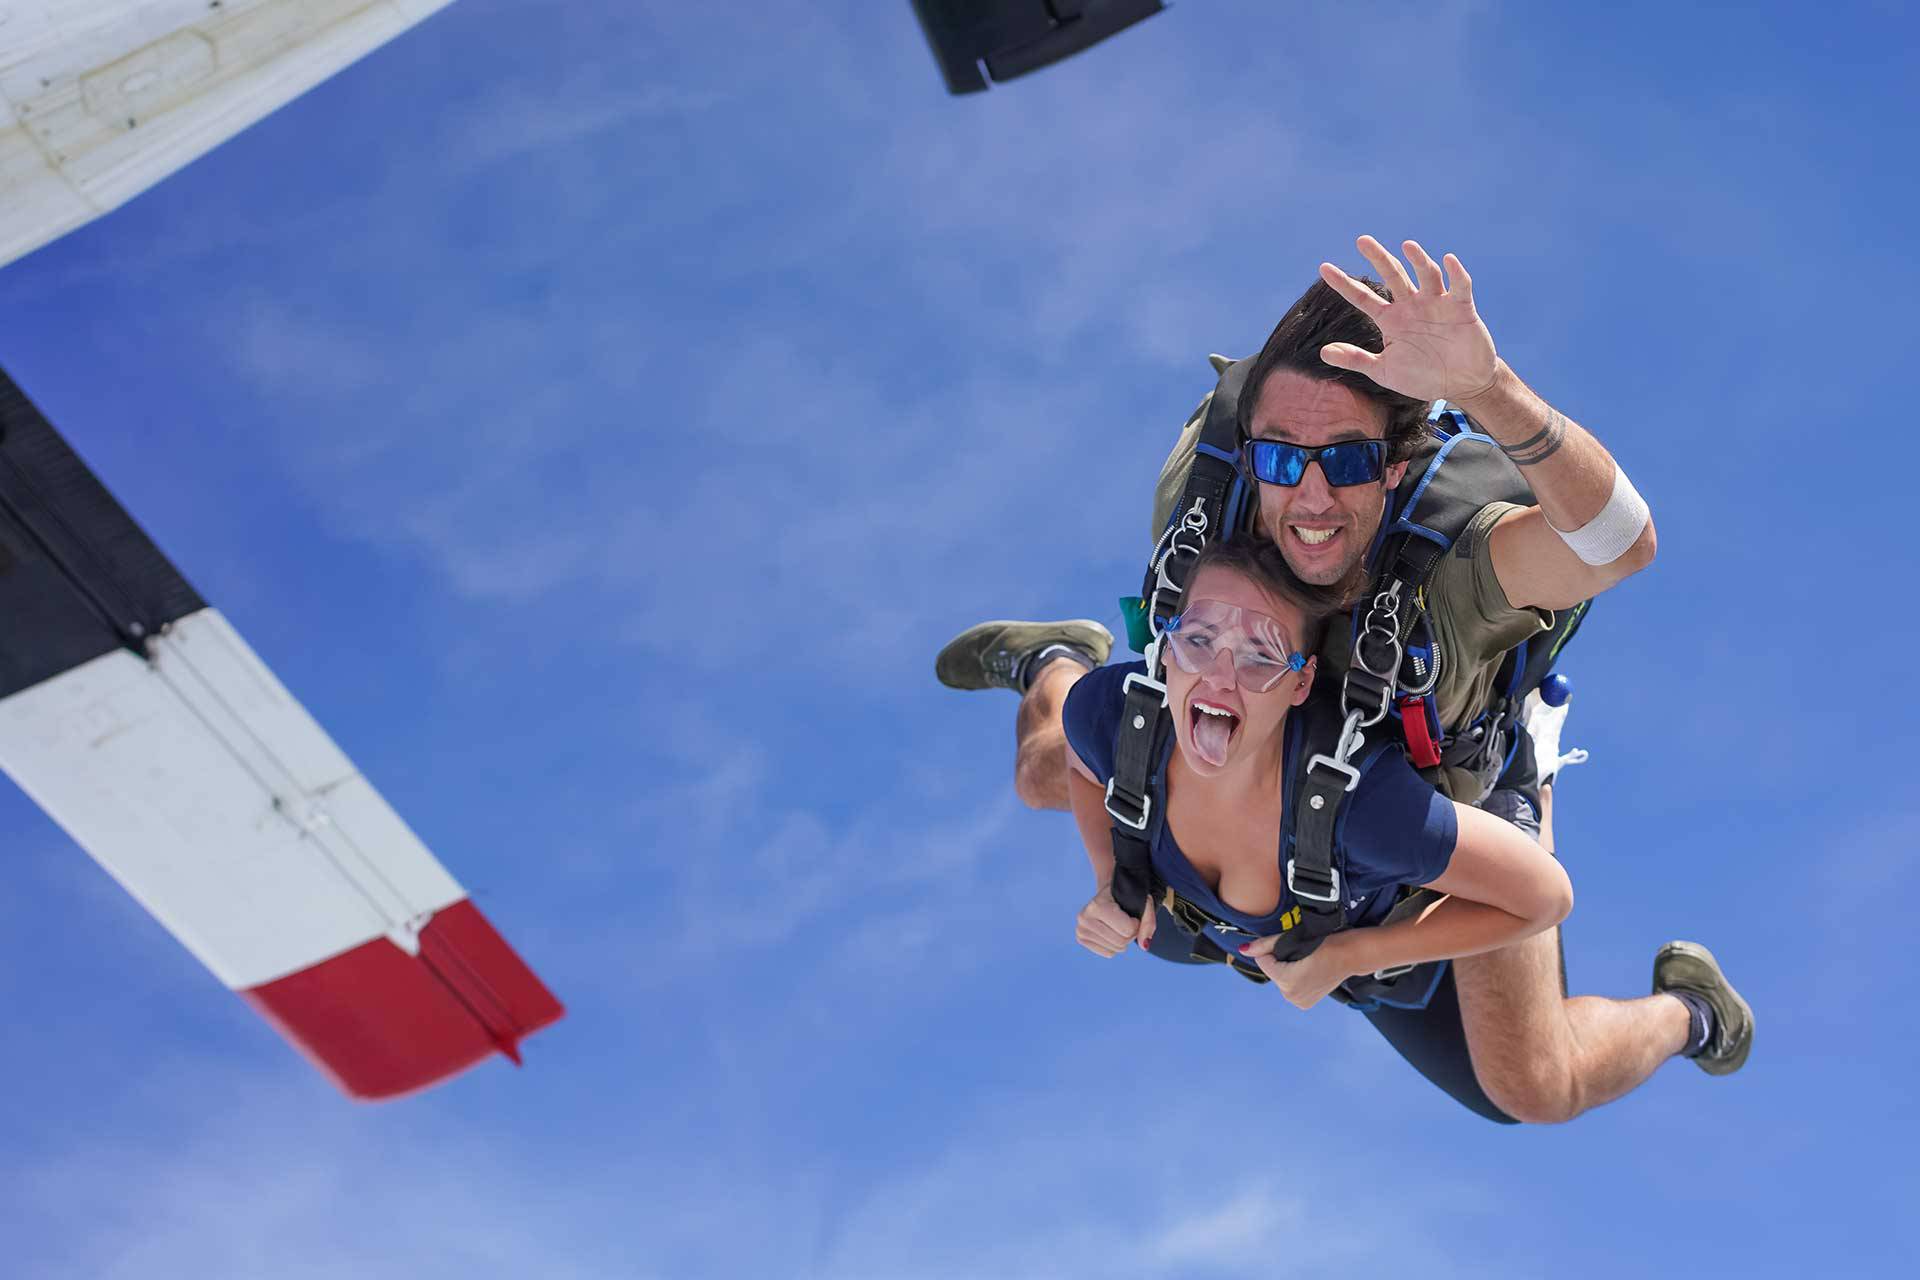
x: 1369, y: 302
x: 1425, y: 267
x: 1387, y: 265
x: 1458, y: 278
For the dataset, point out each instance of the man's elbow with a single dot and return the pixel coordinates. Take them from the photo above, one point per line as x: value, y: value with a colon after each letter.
x: 1631, y: 561
x: 1641, y: 553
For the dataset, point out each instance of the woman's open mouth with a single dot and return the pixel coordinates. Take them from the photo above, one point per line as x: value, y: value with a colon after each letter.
x: 1211, y: 728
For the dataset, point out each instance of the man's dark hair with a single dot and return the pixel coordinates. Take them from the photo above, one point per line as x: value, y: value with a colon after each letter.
x: 1322, y: 316
x: 1260, y: 562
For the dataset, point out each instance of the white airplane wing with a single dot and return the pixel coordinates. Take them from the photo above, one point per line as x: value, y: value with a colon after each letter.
x: 103, y: 98
x: 137, y: 717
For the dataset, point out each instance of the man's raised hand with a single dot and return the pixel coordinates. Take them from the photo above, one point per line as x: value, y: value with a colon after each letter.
x: 1436, y: 346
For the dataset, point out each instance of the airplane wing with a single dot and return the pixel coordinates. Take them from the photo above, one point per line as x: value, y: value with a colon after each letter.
x: 103, y: 98
x: 1009, y: 38
x: 137, y: 717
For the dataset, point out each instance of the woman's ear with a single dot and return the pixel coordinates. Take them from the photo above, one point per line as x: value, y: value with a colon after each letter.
x: 1305, y: 686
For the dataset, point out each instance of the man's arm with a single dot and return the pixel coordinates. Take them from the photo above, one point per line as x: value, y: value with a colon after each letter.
x: 1572, y: 477
x: 1590, y: 529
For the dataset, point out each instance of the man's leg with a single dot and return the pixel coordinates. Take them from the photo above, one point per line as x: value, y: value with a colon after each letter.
x: 1040, y: 661
x: 1040, y: 739
x: 1545, y: 1057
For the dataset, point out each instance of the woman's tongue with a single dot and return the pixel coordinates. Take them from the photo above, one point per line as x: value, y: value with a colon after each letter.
x: 1211, y: 733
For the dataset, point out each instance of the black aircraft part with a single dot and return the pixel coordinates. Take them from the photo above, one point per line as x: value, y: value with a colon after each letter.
x: 78, y: 578
x: 1013, y: 37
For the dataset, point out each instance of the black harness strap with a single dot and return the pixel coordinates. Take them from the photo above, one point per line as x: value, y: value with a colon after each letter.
x: 1429, y: 513
x: 1378, y: 666
x: 1199, y: 516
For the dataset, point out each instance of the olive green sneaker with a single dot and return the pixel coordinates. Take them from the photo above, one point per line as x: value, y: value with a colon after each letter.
x: 1688, y: 966
x: 994, y: 655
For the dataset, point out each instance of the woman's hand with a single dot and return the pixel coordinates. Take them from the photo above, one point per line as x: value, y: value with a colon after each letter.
x: 1306, y: 982
x: 1104, y: 929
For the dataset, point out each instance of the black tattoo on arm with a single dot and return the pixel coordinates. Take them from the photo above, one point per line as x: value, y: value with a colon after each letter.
x: 1540, y: 446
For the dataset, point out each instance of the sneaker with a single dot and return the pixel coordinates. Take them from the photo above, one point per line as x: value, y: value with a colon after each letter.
x: 993, y: 655
x: 1691, y: 967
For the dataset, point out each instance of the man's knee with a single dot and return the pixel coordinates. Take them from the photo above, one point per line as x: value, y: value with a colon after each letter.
x: 1533, y: 1091
x: 1040, y: 775
x: 1514, y: 1011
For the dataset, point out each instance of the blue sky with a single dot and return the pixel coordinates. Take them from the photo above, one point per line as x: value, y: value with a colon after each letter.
x: 599, y: 417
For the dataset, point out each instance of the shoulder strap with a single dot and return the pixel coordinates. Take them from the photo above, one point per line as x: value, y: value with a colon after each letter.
x: 1456, y: 474
x: 1210, y: 504
x: 1315, y: 871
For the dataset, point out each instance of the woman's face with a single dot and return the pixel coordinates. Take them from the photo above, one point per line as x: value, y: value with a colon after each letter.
x: 1217, y: 723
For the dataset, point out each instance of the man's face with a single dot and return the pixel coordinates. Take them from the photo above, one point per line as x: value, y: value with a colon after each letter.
x: 1323, y: 532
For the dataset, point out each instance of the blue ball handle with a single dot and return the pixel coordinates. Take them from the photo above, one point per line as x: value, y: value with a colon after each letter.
x: 1555, y: 690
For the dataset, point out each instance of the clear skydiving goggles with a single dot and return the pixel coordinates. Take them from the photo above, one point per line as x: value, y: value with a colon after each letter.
x: 1344, y: 464
x: 1262, y: 652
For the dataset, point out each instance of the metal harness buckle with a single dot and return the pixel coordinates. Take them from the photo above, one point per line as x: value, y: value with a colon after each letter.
x: 1332, y: 895
x: 1350, y: 742
x: 1126, y: 819
x: 1144, y: 680
x: 1383, y: 619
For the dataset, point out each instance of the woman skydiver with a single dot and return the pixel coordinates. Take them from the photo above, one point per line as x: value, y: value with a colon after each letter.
x: 1219, y: 845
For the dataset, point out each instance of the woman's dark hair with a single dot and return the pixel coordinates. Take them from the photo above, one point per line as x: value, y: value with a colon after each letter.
x: 1319, y: 317
x: 1261, y: 563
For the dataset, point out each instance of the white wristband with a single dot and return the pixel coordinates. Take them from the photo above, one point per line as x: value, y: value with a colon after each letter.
x: 1607, y: 536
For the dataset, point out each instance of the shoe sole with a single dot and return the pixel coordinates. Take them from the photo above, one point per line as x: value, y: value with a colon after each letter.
x: 1692, y: 966
x: 959, y: 665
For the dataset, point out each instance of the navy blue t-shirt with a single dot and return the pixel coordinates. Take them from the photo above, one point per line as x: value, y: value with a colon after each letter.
x: 1394, y: 829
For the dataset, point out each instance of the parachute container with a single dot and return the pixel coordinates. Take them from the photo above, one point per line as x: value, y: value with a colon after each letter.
x: 976, y: 39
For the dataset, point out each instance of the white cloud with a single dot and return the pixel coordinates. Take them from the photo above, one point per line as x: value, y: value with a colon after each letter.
x: 1254, y: 1222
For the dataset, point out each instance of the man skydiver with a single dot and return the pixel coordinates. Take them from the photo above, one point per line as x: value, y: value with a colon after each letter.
x: 1354, y: 362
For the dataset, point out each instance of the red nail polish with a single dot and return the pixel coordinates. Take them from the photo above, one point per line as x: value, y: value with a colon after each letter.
x: 1245, y: 947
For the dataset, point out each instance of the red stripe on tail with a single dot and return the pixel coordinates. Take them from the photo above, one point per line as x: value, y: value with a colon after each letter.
x: 381, y: 1023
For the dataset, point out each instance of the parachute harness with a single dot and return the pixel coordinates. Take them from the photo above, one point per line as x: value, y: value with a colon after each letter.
x: 1209, y: 507
x: 1395, y: 666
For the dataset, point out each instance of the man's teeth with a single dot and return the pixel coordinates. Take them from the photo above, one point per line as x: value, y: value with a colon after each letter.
x: 1313, y: 537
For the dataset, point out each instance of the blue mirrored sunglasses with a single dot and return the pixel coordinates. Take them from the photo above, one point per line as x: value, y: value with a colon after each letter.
x: 1347, y: 463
